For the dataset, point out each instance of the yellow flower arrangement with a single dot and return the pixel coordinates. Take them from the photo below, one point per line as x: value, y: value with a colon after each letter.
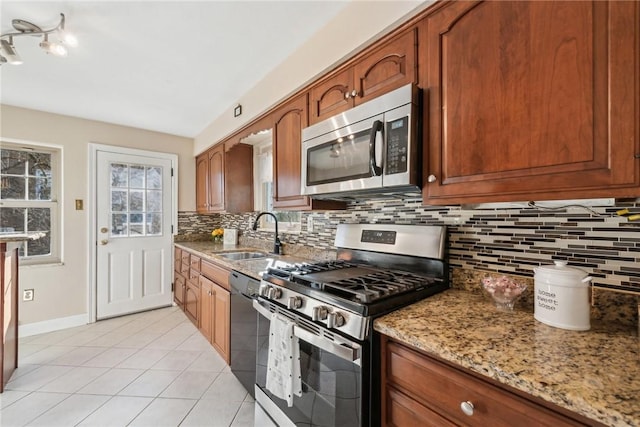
x: 217, y: 234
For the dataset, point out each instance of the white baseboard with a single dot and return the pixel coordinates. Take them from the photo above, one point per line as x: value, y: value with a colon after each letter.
x: 52, y: 325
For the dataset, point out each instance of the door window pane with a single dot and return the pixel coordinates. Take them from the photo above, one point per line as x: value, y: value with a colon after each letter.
x: 136, y: 200
x: 119, y: 175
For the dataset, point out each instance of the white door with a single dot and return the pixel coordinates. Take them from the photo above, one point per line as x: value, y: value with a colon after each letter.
x: 133, y: 220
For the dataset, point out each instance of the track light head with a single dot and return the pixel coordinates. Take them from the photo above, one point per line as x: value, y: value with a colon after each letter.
x: 9, y: 51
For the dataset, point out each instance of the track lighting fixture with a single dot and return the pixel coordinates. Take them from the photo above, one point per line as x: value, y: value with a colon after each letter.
x: 8, y: 52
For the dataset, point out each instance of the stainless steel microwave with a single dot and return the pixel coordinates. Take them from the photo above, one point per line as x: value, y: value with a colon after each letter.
x: 370, y: 149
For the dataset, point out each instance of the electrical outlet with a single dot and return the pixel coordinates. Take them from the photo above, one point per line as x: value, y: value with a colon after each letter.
x: 310, y: 224
x: 27, y: 295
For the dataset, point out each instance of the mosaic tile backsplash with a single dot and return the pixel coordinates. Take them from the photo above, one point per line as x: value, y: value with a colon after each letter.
x: 509, y: 241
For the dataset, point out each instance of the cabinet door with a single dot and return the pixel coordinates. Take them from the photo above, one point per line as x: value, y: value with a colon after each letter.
x: 206, y: 307
x: 216, y: 178
x: 287, y: 149
x: 192, y: 302
x: 179, y: 289
x: 221, y: 321
x: 202, y: 182
x: 391, y: 66
x: 532, y: 100
x: 177, y: 259
x: 331, y: 96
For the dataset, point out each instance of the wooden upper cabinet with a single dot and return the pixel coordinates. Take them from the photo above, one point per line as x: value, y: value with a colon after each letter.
x: 289, y: 121
x: 391, y: 66
x: 388, y: 67
x: 202, y: 182
x: 216, y: 178
x: 332, y: 96
x: 224, y: 179
x: 531, y: 101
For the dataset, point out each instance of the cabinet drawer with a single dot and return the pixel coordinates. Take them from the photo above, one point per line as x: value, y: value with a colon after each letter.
x: 193, y: 275
x: 216, y: 273
x: 443, y: 389
x: 404, y: 411
x: 184, y: 256
x: 194, y: 262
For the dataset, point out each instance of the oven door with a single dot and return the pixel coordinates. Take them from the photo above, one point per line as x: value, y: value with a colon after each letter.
x: 330, y: 365
x: 349, y: 158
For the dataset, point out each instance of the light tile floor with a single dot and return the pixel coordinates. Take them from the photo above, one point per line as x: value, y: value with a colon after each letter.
x: 147, y: 369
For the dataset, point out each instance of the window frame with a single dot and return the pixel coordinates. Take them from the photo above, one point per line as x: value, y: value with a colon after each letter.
x: 260, y: 194
x: 54, y: 205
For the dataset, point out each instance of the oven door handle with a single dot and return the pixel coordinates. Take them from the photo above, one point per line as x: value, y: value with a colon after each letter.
x: 341, y: 350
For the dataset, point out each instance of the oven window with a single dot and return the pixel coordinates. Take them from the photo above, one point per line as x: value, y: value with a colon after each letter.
x: 331, y: 386
x: 342, y: 159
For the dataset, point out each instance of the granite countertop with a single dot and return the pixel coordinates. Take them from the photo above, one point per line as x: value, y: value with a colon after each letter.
x: 594, y: 373
x: 19, y: 237
x: 252, y: 267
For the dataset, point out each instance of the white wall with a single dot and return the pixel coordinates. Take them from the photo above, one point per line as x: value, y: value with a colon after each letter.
x: 359, y: 23
x: 60, y: 290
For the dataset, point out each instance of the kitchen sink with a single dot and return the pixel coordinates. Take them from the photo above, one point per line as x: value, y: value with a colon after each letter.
x: 237, y: 256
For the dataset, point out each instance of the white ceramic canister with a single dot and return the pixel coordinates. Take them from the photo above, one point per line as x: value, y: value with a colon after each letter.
x: 562, y: 296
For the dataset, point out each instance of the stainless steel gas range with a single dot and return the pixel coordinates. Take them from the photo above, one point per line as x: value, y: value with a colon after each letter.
x: 332, y: 305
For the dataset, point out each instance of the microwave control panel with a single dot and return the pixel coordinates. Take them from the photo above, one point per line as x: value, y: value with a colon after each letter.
x: 397, y: 146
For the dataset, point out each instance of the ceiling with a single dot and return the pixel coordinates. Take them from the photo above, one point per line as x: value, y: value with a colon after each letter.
x: 166, y: 66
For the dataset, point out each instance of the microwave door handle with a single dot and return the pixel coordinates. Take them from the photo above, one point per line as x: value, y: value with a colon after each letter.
x: 375, y: 148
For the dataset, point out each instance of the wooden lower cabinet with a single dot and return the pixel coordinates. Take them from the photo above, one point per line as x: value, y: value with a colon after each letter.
x: 419, y: 390
x: 215, y: 315
x: 192, y: 303
x: 8, y: 311
x: 179, y: 289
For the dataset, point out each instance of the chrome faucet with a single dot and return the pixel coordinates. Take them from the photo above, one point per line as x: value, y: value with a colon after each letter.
x: 277, y: 245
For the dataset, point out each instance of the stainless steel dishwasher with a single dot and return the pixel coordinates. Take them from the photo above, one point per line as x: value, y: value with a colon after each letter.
x: 244, y: 324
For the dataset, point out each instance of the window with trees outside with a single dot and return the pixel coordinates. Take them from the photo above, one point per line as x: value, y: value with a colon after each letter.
x: 29, y: 185
x: 288, y: 221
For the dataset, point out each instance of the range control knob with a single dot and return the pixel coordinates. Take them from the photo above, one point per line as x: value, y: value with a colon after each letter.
x: 335, y: 320
x: 319, y: 313
x: 274, y: 293
x: 263, y: 291
x: 294, y: 303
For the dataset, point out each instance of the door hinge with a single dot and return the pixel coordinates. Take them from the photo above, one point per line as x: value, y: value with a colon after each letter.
x: 172, y: 287
x: 171, y: 171
x: 172, y: 229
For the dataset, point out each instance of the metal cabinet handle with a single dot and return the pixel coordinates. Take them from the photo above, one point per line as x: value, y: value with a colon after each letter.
x: 467, y: 408
x: 432, y: 178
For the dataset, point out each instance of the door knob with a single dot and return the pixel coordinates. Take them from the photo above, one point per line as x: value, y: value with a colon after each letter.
x: 104, y: 230
x: 104, y: 241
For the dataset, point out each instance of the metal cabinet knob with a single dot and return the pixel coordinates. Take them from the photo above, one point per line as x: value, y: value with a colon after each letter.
x: 354, y: 93
x: 432, y: 178
x: 467, y: 408
x: 347, y: 95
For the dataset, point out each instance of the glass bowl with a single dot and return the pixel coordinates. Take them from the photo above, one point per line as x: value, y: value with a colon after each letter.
x: 504, y: 291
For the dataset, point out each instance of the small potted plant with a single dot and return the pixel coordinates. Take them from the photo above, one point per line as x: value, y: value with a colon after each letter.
x: 217, y: 235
